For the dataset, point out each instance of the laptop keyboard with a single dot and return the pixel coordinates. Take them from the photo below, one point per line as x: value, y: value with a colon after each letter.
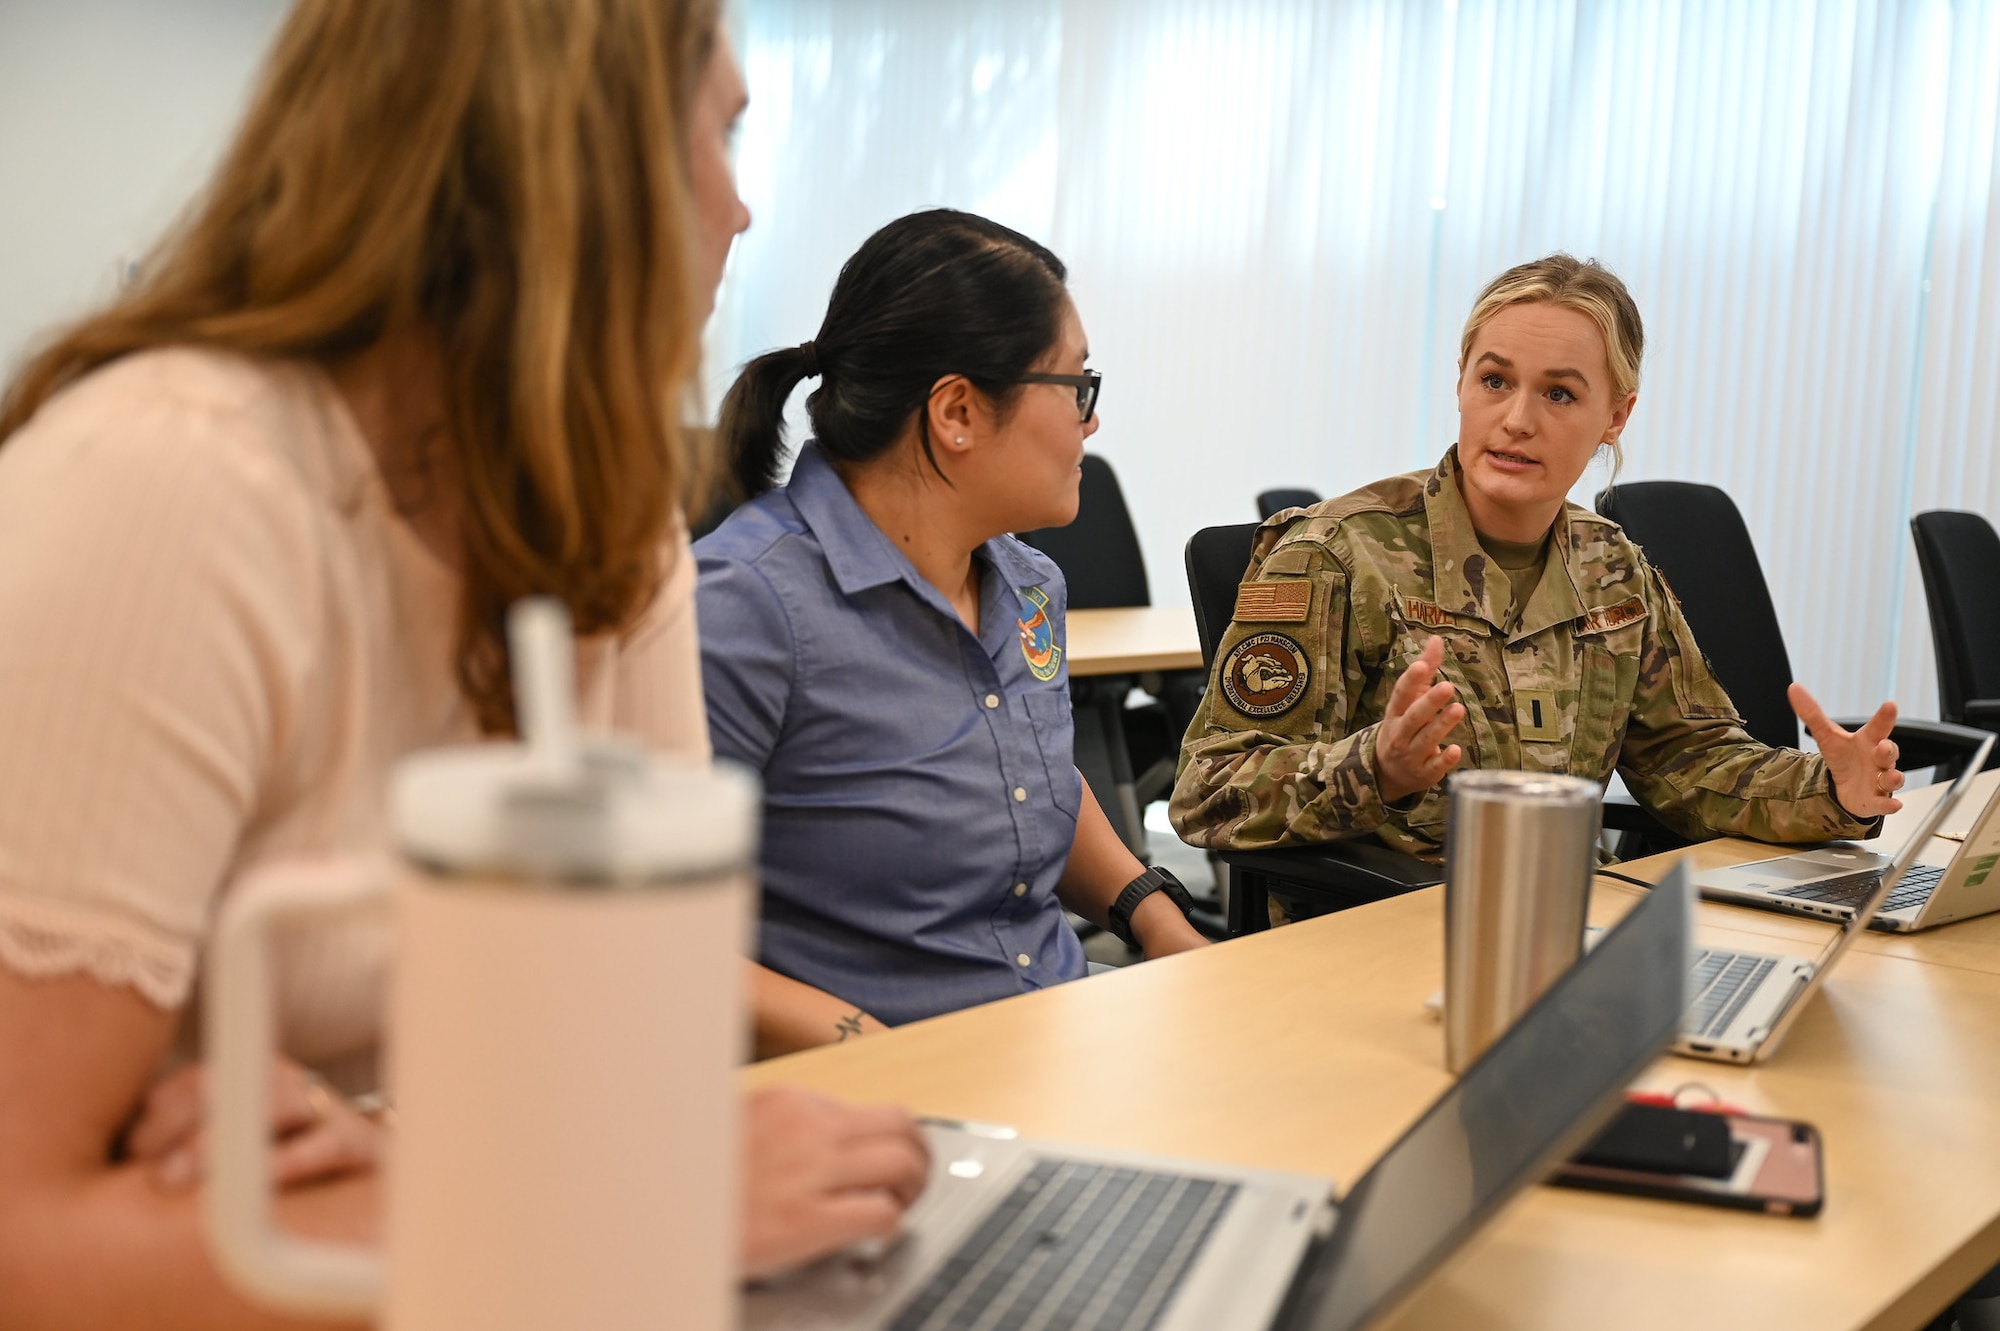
x: 1915, y: 888
x: 1722, y: 983
x: 1074, y: 1245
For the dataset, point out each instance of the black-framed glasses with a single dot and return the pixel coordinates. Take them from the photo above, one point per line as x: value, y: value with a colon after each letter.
x: 1086, y: 385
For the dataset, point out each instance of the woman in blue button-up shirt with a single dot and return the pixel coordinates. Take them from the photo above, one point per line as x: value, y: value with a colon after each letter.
x: 890, y: 660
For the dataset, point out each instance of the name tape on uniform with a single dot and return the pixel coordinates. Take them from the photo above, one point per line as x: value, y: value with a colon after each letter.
x: 1628, y: 611
x: 1413, y: 611
x: 1273, y: 602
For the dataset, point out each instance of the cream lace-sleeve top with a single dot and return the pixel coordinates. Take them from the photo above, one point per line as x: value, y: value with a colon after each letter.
x: 216, y: 639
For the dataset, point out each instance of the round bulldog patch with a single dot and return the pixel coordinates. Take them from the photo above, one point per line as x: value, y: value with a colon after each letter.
x: 1265, y: 675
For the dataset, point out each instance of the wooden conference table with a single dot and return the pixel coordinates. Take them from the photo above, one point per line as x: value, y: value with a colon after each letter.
x: 1132, y: 640
x: 1108, y: 651
x: 1308, y: 1048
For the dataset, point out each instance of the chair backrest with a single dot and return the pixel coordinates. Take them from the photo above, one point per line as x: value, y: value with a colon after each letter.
x: 1273, y: 502
x: 1216, y: 559
x: 1959, y: 555
x: 1099, y: 552
x: 1695, y: 535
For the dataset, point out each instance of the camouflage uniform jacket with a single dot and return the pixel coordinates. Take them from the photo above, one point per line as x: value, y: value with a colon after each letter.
x: 1601, y: 672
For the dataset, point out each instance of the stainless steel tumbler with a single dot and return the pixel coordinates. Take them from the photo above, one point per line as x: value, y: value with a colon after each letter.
x: 1519, y: 852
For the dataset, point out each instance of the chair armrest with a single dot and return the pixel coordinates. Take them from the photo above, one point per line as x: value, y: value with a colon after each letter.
x: 1622, y: 813
x: 1647, y: 834
x: 1983, y: 712
x: 1342, y: 865
x: 1933, y: 743
x: 1336, y: 875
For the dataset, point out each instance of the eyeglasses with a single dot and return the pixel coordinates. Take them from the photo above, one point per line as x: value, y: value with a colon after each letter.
x: 1086, y: 385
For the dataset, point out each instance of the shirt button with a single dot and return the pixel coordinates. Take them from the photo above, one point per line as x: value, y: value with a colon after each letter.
x: 1020, y: 794
x: 1023, y: 959
x: 992, y: 700
x: 1020, y: 889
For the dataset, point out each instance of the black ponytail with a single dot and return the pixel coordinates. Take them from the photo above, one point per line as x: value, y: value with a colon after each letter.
x: 753, y: 419
x: 932, y: 294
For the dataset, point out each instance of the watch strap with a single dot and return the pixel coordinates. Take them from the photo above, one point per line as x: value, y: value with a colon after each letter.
x: 1153, y: 880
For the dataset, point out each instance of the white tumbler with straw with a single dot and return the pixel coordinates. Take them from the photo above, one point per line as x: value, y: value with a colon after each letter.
x: 564, y: 1028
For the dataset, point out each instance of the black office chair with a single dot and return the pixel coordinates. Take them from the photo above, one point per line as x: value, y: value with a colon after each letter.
x: 1695, y: 535
x: 1099, y: 552
x: 1333, y: 876
x: 1104, y: 568
x: 1273, y: 502
x: 1959, y: 556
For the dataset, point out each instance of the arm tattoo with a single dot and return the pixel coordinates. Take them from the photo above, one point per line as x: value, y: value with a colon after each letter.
x: 848, y: 1025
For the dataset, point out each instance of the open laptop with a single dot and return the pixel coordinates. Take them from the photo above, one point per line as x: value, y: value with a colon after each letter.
x: 1830, y: 881
x: 1745, y: 1002
x: 1015, y: 1234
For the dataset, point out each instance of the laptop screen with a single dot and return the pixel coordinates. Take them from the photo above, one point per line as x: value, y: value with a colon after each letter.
x: 1535, y: 1095
x: 1857, y: 923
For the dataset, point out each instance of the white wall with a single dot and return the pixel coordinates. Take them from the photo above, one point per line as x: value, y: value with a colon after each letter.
x: 111, y: 114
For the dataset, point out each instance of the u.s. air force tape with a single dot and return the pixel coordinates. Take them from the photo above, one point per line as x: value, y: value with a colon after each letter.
x: 1265, y: 675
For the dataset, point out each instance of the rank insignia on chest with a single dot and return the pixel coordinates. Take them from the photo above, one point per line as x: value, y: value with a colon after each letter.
x: 1273, y: 602
x: 1038, y: 635
x: 1536, y: 716
x: 1265, y: 675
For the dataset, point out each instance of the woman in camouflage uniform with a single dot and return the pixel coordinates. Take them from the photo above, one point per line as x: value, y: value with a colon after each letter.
x: 1471, y: 615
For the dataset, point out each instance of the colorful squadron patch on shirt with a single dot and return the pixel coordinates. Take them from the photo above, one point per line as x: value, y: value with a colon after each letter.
x: 1265, y: 675
x: 1038, y: 636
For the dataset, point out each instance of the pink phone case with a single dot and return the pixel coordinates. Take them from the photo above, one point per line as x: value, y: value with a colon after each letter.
x: 1779, y: 1172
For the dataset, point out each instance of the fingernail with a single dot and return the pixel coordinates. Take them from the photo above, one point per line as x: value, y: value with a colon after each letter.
x: 177, y: 1170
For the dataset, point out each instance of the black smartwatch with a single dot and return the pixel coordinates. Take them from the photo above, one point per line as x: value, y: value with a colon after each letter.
x: 1136, y: 891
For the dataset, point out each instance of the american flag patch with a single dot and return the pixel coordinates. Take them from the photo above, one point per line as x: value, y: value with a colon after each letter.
x: 1273, y: 602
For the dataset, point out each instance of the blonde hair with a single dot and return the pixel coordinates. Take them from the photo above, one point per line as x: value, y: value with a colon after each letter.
x: 509, y: 177
x: 1583, y: 285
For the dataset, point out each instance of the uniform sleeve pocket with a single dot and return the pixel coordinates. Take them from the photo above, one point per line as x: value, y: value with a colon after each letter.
x: 1055, y: 735
x: 1696, y: 689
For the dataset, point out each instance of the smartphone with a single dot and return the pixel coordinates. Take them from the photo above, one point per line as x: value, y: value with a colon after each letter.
x: 1743, y: 1161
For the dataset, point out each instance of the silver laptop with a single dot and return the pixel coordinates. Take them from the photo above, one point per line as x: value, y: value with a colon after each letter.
x: 1014, y: 1235
x: 1745, y: 1002
x: 1830, y: 881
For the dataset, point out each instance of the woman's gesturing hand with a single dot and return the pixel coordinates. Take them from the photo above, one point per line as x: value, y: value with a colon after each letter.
x: 1410, y: 752
x: 1862, y: 762
x: 315, y: 1133
x: 819, y: 1175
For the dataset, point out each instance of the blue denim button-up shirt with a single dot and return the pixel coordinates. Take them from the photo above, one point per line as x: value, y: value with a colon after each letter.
x: 920, y: 794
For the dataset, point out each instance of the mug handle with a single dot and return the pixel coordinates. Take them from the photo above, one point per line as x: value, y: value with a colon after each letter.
x: 240, y: 1035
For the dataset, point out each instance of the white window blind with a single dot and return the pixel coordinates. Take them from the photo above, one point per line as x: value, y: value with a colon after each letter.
x: 1277, y: 213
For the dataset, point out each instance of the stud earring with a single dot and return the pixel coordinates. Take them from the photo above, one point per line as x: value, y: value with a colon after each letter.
x: 958, y: 439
